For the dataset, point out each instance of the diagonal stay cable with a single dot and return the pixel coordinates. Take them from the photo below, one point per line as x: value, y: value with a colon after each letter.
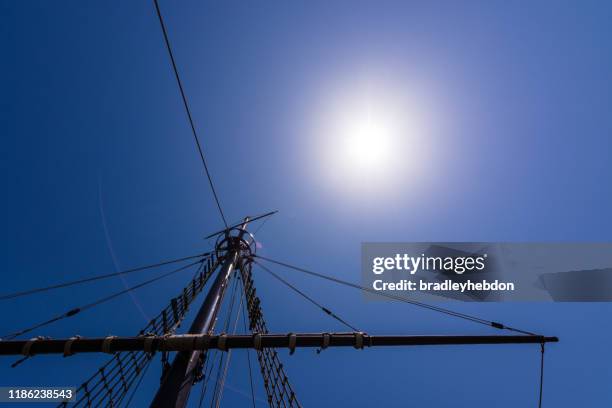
x: 449, y: 312
x: 97, y: 277
x: 105, y: 299
x: 305, y: 296
x: 184, y: 97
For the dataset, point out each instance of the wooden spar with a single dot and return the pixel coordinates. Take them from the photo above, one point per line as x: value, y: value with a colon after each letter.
x: 199, y: 342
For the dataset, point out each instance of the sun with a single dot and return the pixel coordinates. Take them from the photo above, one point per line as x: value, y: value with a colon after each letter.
x: 367, y: 141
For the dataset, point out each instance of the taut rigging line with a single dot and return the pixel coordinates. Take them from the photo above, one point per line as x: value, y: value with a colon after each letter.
x: 188, y: 111
x: 449, y: 312
x: 76, y: 310
x: 308, y: 298
x: 97, y: 277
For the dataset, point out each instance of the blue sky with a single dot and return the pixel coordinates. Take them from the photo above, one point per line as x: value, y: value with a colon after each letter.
x: 517, y: 148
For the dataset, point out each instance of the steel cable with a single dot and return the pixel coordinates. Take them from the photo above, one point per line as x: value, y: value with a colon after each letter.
x: 191, y: 123
x: 76, y: 310
x: 399, y: 298
x: 97, y: 277
x: 311, y: 300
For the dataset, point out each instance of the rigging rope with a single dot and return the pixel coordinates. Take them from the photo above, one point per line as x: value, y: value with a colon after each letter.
x: 541, y: 374
x: 184, y: 97
x: 103, y: 388
x: 420, y: 304
x: 207, y: 376
x: 238, y: 224
x: 97, y: 277
x: 77, y: 310
x: 229, y: 354
x: 261, y: 226
x: 248, y: 352
x: 141, y: 376
x: 225, y: 329
x: 399, y: 298
x: 311, y: 300
x: 278, y: 388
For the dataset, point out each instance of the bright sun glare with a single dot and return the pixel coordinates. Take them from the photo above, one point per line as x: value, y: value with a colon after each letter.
x: 369, y: 138
x: 367, y: 142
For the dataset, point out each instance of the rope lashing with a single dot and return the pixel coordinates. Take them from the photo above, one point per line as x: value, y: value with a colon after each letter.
x: 358, y: 340
x: 221, y: 343
x: 148, y: 343
x: 107, y: 343
x: 257, y: 341
x: 26, y: 347
x: 68, y: 346
x: 292, y: 341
